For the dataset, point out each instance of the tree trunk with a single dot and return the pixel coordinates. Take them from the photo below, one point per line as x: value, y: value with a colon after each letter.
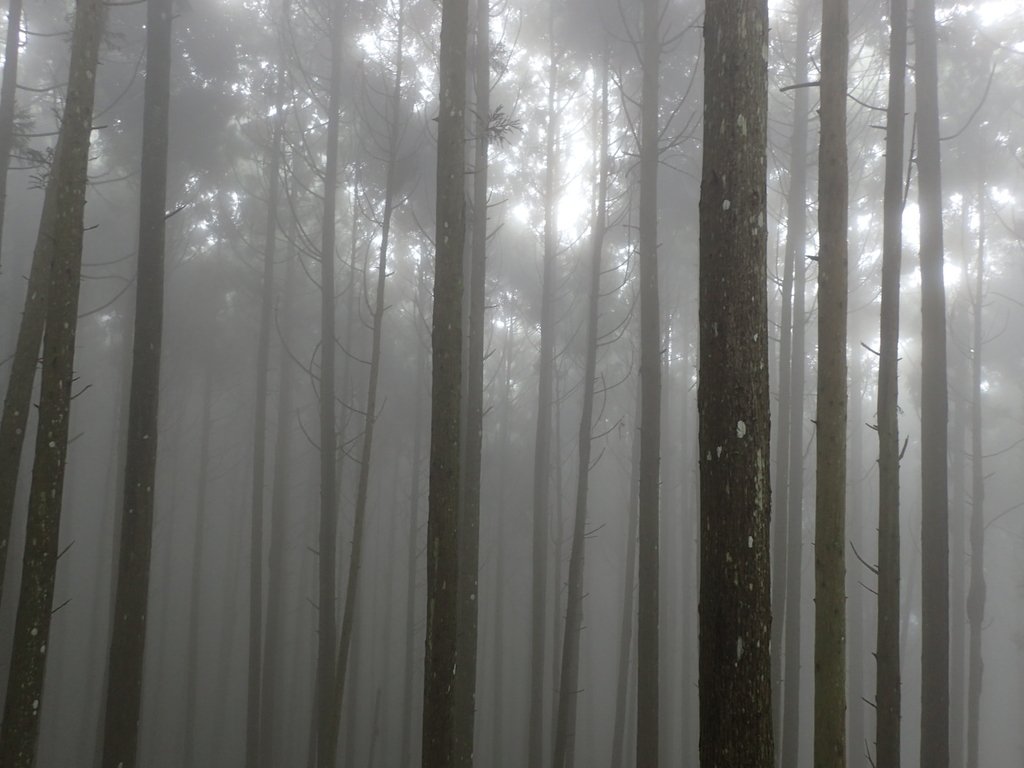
x: 19, y: 730
x: 8, y: 92
x: 856, y: 695
x: 568, y: 682
x: 796, y: 228
x: 446, y: 428
x: 195, y: 596
x: 469, y: 525
x: 830, y: 487
x: 650, y: 400
x: 976, y: 594
x: 887, y: 649
x: 542, y: 445
x: 128, y: 640
x: 326, y: 622
x: 934, y: 405
x: 733, y: 400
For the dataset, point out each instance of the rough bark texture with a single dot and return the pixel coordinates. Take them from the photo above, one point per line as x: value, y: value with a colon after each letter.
x: 469, y: 526
x: 887, y: 648
x: 976, y: 594
x: 733, y: 400
x: 650, y: 407
x: 8, y: 88
x: 445, y: 417
x: 542, y: 445
x: 328, y: 536
x: 128, y: 641
x: 19, y: 730
x: 568, y: 679
x: 934, y: 405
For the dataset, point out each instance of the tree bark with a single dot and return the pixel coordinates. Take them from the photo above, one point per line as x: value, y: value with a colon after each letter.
x: 128, y: 640
x: 445, y: 429
x: 934, y: 405
x: 733, y: 400
x: 19, y: 730
x: 887, y: 649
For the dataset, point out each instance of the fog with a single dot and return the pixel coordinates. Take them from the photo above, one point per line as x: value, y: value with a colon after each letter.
x: 248, y: 125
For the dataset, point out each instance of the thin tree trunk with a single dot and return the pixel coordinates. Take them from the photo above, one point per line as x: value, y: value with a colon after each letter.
x: 128, y: 641
x: 8, y: 92
x: 830, y: 422
x: 568, y: 683
x: 499, y: 705
x: 650, y: 401
x: 326, y: 622
x: 19, y: 730
x: 796, y: 227
x: 195, y: 594
x: 628, y: 609
x: 856, y: 742
x: 934, y: 405
x: 469, y: 525
x: 976, y: 594
x: 329, y: 749
x: 445, y: 428
x: 542, y: 445
x: 887, y: 649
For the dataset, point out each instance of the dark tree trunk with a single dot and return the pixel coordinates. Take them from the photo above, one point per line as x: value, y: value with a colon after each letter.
x: 568, y: 682
x: 976, y: 594
x: 830, y: 422
x: 445, y: 427
x: 796, y: 228
x: 733, y: 400
x: 887, y: 649
x: 8, y: 92
x: 469, y: 525
x: 328, y: 535
x: 650, y: 401
x: 856, y: 742
x: 542, y: 445
x: 934, y: 405
x: 19, y: 730
x: 128, y: 640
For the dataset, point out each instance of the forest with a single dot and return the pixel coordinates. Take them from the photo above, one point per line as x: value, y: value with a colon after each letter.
x: 512, y: 383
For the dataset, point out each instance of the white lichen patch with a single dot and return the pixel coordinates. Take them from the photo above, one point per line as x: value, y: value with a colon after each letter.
x: 741, y: 429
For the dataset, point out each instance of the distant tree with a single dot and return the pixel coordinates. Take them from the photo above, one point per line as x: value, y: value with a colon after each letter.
x: 128, y: 640
x: 887, y: 650
x: 934, y: 404
x: 8, y: 92
x: 439, y: 739
x: 732, y: 396
x: 830, y: 422
x: 19, y: 729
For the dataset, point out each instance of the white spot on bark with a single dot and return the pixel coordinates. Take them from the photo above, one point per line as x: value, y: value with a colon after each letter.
x: 750, y: 542
x: 739, y: 648
x: 741, y: 429
x: 718, y: 450
x: 726, y: 205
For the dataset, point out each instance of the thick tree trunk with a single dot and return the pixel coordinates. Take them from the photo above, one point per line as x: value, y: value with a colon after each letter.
x: 128, y: 641
x: 19, y: 730
x: 733, y: 400
x: 650, y: 401
x: 8, y: 92
x: 469, y: 525
x: 976, y: 594
x: 445, y: 427
x: 328, y: 534
x: 830, y: 487
x: 934, y: 405
x: 887, y: 648
x: 568, y: 682
x: 796, y: 228
x: 542, y: 444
